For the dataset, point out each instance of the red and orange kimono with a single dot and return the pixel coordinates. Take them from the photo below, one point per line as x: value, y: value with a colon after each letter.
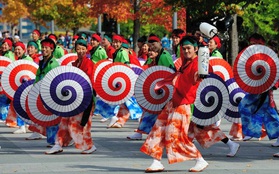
x: 170, y: 130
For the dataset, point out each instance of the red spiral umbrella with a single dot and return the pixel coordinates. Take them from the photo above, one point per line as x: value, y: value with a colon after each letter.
x: 211, y: 102
x: 4, y: 62
x: 178, y: 63
x: 66, y: 91
x: 256, y: 69
x: 36, y: 110
x: 68, y: 59
x: 19, y: 101
x: 221, y: 67
x: 147, y: 97
x: 98, y: 66
x: 115, y: 83
x: 15, y: 74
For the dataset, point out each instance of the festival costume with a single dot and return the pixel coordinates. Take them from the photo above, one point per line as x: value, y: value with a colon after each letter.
x: 216, y: 53
x: 130, y: 108
x: 58, y: 52
x: 43, y: 69
x: 98, y: 53
x: 39, y: 45
x: 77, y: 128
x: 110, y: 50
x: 170, y: 130
x: 148, y: 119
x: 4, y: 101
x: 256, y: 111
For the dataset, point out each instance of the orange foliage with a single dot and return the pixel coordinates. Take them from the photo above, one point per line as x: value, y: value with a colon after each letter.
x: 151, y: 11
x: 12, y: 11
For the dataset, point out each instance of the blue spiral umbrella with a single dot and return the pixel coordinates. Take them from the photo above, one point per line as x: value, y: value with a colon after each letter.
x: 66, y: 91
x: 235, y: 94
x: 211, y: 101
x: 20, y: 101
x: 36, y: 109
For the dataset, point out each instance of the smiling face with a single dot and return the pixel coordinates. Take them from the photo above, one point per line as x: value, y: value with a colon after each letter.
x: 46, y: 51
x: 175, y: 40
x: 31, y: 50
x: 19, y: 51
x: 189, y: 51
x: 212, y: 45
x: 116, y: 44
x: 81, y: 51
x: 5, y: 47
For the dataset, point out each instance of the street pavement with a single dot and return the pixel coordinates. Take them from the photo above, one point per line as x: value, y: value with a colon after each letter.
x: 116, y: 154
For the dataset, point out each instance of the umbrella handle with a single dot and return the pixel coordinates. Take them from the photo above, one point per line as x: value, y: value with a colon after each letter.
x: 259, y: 70
x: 117, y: 85
x: 159, y: 91
x: 24, y: 80
x: 65, y: 93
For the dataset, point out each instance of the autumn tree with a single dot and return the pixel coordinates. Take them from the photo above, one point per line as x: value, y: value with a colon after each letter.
x: 73, y: 16
x: 12, y: 12
x: 140, y: 11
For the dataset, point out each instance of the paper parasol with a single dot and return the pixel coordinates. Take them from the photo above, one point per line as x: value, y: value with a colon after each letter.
x: 20, y: 101
x: 36, y: 110
x: 211, y: 101
x: 256, y: 69
x: 147, y: 97
x: 235, y: 94
x: 67, y: 59
x: 15, y: 74
x: 221, y: 67
x: 66, y: 91
x: 137, y: 69
x: 178, y: 63
x: 98, y: 66
x: 142, y: 61
x: 4, y: 62
x: 115, y: 83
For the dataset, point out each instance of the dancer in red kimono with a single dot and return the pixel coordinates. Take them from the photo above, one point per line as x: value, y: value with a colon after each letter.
x: 77, y: 128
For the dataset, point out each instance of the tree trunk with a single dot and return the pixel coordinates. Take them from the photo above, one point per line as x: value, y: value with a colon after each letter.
x: 234, y: 41
x: 136, y: 26
x: 75, y: 29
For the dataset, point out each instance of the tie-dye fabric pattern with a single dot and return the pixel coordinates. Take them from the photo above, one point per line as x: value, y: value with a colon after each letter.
x: 104, y: 109
x: 70, y: 128
x: 4, y: 107
x: 252, y: 120
x: 146, y: 123
x: 236, y: 130
x: 206, y: 135
x: 170, y: 131
x: 11, y: 118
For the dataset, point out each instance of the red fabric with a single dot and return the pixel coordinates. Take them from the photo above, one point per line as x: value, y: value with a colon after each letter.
x: 86, y: 66
x: 65, y: 52
x: 21, y: 44
x: 133, y: 58
x: 217, y: 41
x: 186, y: 84
x: 154, y: 38
x: 52, y: 36
x: 36, y: 58
x: 9, y: 42
x: 75, y: 37
x: 110, y: 50
x: 117, y: 37
x: 48, y: 44
x: 97, y: 37
x: 37, y: 32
